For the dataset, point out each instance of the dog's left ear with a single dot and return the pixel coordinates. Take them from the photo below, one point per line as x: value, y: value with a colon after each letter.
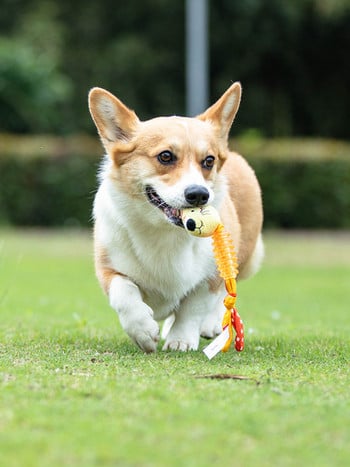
x: 222, y: 113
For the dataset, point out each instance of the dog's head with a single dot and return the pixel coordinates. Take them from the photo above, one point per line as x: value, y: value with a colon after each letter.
x: 170, y: 162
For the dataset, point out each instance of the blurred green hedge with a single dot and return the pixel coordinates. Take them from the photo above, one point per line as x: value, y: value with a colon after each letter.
x: 46, y: 181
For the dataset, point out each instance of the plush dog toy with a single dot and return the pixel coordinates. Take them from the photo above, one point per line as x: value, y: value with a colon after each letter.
x: 205, y: 222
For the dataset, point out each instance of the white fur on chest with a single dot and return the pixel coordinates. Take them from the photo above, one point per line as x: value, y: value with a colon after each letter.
x: 163, y: 260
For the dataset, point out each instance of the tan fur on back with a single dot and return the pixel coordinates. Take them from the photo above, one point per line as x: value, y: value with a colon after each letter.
x: 245, y: 198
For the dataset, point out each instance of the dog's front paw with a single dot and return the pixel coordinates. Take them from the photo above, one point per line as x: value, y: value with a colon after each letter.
x: 146, y: 336
x: 142, y: 329
x: 181, y: 337
x: 181, y: 340
x: 180, y: 345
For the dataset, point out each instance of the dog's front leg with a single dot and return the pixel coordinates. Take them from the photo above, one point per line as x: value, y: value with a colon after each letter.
x: 185, y: 332
x: 136, y: 318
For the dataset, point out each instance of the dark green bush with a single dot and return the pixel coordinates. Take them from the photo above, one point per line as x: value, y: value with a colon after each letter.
x: 47, y: 191
x: 47, y: 181
x: 51, y: 181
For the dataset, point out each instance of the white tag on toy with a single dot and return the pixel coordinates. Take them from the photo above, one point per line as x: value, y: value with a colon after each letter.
x: 217, y: 344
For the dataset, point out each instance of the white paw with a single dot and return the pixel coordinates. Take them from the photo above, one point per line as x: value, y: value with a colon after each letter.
x: 147, y: 338
x: 180, y: 344
x: 144, y: 331
x: 211, y: 331
x: 135, y: 316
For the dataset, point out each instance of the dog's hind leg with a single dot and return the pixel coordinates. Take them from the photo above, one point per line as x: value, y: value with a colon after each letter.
x: 185, y: 332
x: 212, y: 325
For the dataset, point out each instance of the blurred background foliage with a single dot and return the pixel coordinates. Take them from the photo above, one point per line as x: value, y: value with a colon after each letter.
x: 51, y: 181
x: 291, y: 57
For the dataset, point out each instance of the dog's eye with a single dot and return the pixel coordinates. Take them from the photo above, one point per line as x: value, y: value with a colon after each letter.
x: 208, y: 162
x: 166, y: 158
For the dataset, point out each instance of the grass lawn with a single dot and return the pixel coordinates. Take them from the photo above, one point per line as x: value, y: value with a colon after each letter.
x: 74, y: 391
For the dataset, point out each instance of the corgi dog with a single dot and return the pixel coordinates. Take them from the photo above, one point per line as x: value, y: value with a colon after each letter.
x: 148, y: 265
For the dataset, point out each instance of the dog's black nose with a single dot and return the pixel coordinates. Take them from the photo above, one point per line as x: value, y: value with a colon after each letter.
x: 196, y: 195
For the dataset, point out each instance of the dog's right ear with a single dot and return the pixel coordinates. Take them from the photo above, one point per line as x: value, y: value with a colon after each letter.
x: 114, y: 120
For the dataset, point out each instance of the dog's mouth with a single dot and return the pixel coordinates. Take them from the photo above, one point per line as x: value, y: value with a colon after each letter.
x: 172, y: 214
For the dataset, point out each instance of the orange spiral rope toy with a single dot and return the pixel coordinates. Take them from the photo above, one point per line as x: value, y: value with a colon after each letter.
x: 205, y: 222
x: 228, y: 267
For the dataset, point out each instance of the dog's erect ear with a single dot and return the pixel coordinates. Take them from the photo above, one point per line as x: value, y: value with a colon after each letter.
x: 114, y: 121
x: 222, y: 113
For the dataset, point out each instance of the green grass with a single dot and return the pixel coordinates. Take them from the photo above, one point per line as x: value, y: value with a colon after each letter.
x: 74, y: 391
